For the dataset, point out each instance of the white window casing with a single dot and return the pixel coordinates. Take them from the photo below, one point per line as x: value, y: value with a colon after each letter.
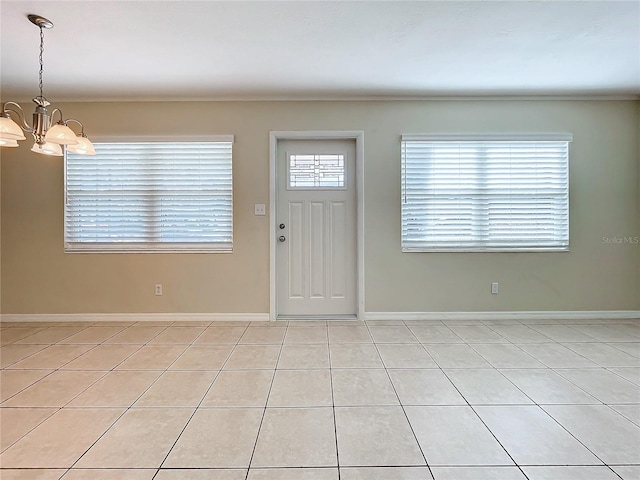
x: 485, y: 193
x: 150, y: 196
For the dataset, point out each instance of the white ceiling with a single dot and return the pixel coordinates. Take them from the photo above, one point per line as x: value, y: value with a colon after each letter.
x: 149, y: 50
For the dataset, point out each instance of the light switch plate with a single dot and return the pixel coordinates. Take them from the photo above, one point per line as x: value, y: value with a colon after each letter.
x: 260, y: 209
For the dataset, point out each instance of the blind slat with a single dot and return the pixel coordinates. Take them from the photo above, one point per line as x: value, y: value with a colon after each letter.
x: 475, y: 194
x: 150, y: 196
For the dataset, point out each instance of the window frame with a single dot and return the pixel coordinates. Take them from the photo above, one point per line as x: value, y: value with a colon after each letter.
x: 149, y: 246
x: 477, y: 246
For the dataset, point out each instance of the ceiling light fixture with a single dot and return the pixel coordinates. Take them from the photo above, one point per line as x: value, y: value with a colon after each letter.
x: 49, y: 138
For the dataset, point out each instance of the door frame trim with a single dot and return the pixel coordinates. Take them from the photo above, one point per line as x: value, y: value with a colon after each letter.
x: 358, y: 137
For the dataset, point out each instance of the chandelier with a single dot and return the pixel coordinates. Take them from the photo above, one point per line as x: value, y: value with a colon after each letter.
x: 50, y: 138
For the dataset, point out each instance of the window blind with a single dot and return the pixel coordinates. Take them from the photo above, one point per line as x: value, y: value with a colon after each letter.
x: 485, y: 193
x: 150, y: 196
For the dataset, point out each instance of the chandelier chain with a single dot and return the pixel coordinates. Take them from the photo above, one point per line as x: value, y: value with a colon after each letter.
x: 41, y: 62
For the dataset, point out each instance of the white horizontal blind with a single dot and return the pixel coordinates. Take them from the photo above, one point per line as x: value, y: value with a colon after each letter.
x: 485, y: 193
x: 150, y: 196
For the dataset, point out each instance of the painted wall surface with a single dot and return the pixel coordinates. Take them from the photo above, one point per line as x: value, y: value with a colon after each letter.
x: 596, y: 274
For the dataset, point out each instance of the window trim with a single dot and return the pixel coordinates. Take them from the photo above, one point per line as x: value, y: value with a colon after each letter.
x: 151, y: 247
x: 551, y: 137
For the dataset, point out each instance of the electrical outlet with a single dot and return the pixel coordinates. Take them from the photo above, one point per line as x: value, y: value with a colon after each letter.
x: 495, y: 288
x: 260, y: 209
x: 158, y: 289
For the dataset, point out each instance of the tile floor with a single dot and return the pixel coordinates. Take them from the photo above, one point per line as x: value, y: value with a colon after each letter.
x: 441, y: 400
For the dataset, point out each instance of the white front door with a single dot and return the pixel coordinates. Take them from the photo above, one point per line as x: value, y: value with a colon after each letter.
x: 316, y: 229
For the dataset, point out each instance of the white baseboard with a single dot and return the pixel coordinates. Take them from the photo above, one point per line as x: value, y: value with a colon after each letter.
x: 519, y: 315
x: 264, y: 317
x: 135, y: 317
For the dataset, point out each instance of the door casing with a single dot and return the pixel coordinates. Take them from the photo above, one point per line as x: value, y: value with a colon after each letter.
x: 274, y: 138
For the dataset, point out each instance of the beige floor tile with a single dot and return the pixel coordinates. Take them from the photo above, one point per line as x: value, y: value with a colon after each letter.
x: 116, y: 389
x: 152, y: 358
x: 604, y: 355
x: 506, y: 356
x: 306, y: 335
x: 243, y: 388
x: 177, y: 335
x: 362, y: 387
x: 385, y: 473
x: 32, y: 474
x: 532, y: 437
x: 435, y: 334
x: 217, y: 438
x: 136, y: 334
x: 349, y: 334
x: 205, y: 357
x: 355, y: 356
x: 604, y: 385
x: 477, y: 334
x: 304, y: 357
x: 544, y: 386
x: 10, y: 335
x: 486, y: 386
x: 92, y: 335
x: 250, y: 357
x: 632, y: 348
x: 296, y: 437
x: 216, y: 335
x: 405, y: 356
x: 201, y: 474
x: 424, y: 387
x: 478, y: 473
x: 561, y: 333
x: 556, y: 356
x: 397, y: 334
x: 60, y: 440
x: 631, y: 472
x: 455, y: 436
x: 54, y: 356
x: 51, y: 334
x: 177, y: 389
x: 141, y: 438
x: 370, y: 436
x: 293, y: 474
x: 307, y: 323
x: 610, y: 436
x: 55, y: 390
x: 456, y: 356
x: 631, y: 412
x: 384, y: 323
x: 14, y: 353
x: 301, y: 388
x: 520, y: 334
x: 16, y: 422
x: 13, y: 381
x: 263, y: 335
x: 570, y: 473
x: 629, y: 373
x: 110, y: 474
x: 102, y: 357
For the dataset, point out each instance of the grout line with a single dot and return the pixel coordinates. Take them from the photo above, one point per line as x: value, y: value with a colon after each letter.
x: 264, y: 411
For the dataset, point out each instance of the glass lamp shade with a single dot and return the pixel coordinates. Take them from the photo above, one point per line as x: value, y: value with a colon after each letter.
x: 83, y: 147
x: 9, y: 130
x: 60, y: 134
x: 8, y: 143
x: 47, y: 149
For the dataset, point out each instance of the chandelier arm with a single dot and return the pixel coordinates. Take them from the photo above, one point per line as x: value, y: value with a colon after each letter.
x: 78, y: 122
x: 53, y: 112
x: 6, y: 112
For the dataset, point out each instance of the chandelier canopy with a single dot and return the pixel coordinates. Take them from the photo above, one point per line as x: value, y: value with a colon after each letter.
x: 50, y: 139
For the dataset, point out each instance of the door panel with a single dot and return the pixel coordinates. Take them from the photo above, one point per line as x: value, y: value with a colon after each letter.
x: 316, y: 200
